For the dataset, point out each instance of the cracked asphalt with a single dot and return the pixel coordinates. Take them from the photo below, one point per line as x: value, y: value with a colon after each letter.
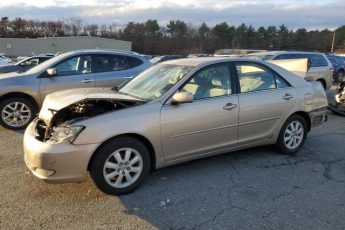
x: 250, y: 189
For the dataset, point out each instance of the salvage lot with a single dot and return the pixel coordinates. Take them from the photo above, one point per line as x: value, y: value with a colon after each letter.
x: 255, y: 188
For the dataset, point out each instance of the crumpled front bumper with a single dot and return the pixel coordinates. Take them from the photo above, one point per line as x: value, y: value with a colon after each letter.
x: 56, y: 162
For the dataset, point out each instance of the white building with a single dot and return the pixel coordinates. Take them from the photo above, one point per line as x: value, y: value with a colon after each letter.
x: 14, y: 47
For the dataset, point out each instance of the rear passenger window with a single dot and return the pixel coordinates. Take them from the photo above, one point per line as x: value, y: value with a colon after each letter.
x: 254, y: 77
x: 107, y: 63
x: 134, y: 62
x: 317, y: 60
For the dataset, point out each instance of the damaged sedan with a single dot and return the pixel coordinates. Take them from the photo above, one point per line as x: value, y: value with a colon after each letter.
x: 174, y: 112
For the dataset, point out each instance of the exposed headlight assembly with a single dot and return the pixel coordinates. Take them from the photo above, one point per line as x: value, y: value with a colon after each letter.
x: 66, y: 134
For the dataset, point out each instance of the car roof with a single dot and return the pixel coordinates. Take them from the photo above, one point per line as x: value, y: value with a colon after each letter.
x: 282, y: 52
x: 103, y: 51
x: 206, y: 60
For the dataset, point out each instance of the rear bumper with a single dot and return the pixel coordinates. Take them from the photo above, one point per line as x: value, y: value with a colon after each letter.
x: 318, y: 117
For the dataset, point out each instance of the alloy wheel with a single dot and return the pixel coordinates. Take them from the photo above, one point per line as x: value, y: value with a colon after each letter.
x: 293, y: 135
x: 123, y: 167
x: 16, y: 114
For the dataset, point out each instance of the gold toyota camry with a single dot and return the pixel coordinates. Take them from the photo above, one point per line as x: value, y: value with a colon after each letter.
x: 174, y: 112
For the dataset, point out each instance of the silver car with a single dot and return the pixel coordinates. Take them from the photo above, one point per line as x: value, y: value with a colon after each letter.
x: 174, y: 112
x: 21, y: 95
x: 320, y: 68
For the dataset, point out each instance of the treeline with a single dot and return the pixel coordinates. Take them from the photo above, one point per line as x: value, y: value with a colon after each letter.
x: 179, y: 37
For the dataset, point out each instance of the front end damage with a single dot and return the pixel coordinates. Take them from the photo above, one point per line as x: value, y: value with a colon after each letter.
x: 61, y: 126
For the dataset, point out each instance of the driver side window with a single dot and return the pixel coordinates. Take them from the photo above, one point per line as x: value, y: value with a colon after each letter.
x: 212, y: 81
x: 74, y: 66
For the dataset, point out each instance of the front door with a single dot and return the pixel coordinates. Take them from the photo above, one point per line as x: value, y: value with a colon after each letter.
x: 74, y: 72
x: 207, y: 124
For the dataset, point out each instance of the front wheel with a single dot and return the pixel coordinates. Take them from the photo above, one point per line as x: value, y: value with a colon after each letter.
x: 16, y: 113
x: 120, y: 166
x: 292, y: 135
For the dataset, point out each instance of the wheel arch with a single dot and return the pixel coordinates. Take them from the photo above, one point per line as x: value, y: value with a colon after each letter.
x: 139, y: 137
x: 19, y: 95
x: 305, y: 116
x: 323, y: 82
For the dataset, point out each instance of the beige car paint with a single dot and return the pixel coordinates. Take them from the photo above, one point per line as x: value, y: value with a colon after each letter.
x: 176, y: 133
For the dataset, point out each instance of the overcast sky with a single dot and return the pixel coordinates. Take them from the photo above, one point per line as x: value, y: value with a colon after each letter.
x: 317, y: 14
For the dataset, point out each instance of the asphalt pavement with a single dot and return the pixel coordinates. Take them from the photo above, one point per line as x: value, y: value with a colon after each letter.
x: 250, y: 189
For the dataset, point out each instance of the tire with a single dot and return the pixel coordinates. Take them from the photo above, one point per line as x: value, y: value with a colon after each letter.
x: 286, y: 147
x: 17, y: 113
x: 339, y: 76
x: 105, y: 163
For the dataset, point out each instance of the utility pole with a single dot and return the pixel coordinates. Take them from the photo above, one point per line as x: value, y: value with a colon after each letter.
x: 333, y: 42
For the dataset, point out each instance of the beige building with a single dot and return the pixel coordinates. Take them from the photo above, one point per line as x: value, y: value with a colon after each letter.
x: 14, y: 47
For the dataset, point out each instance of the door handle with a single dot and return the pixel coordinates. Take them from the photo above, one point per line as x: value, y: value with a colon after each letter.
x: 229, y: 106
x: 87, y: 80
x: 287, y: 96
x: 128, y: 77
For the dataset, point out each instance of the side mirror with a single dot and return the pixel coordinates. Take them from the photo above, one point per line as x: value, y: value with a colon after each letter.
x: 51, y: 72
x: 181, y: 97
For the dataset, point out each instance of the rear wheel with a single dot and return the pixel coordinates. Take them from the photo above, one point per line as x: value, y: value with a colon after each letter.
x: 16, y: 113
x: 120, y: 166
x: 292, y: 135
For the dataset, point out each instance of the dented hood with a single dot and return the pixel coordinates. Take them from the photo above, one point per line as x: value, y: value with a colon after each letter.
x: 61, y: 99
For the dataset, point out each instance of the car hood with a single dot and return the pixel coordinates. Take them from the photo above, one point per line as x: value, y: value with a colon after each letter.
x: 11, y: 75
x: 62, y: 99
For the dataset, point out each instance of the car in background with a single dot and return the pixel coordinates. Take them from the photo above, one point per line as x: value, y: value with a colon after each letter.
x: 174, y: 112
x: 198, y: 55
x: 338, y: 64
x: 159, y: 59
x: 24, y: 65
x: 320, y: 68
x: 4, y: 60
x: 22, y: 94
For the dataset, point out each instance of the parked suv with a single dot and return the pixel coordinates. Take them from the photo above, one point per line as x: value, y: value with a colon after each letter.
x: 24, y: 65
x: 338, y: 66
x: 320, y: 67
x: 21, y: 95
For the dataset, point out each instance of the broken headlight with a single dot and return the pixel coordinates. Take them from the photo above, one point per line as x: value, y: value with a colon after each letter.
x: 61, y: 134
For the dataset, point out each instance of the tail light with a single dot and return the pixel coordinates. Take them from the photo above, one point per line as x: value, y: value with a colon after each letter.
x: 332, y: 69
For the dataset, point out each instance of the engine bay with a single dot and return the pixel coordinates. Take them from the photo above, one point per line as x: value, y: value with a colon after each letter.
x: 79, y: 111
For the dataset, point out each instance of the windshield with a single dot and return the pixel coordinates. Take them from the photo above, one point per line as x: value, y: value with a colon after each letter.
x: 155, y: 82
x: 46, y: 64
x: 261, y: 57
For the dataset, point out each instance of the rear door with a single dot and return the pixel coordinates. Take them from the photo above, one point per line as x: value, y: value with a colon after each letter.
x: 265, y: 100
x: 73, y: 72
x: 112, y: 70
